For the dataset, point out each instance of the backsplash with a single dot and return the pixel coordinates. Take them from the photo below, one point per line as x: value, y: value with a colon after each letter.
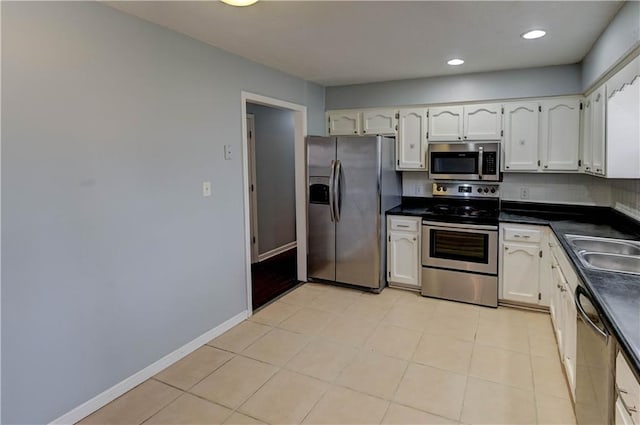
x: 577, y: 189
x: 625, y: 197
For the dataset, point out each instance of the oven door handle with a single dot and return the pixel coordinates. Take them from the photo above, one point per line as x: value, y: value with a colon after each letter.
x: 446, y: 226
x: 480, y: 161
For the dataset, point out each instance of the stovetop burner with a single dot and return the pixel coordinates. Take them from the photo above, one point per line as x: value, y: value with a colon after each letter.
x: 458, y: 204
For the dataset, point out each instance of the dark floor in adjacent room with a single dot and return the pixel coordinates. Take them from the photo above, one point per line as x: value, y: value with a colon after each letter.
x: 273, y: 277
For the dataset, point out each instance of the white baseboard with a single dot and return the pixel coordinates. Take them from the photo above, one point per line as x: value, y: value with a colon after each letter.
x: 274, y: 252
x: 136, y: 379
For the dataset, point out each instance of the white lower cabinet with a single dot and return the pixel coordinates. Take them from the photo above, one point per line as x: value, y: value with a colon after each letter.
x: 627, y: 394
x: 522, y: 278
x: 403, y: 251
x: 563, y: 310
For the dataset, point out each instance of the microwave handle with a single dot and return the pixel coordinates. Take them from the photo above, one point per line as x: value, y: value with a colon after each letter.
x: 480, y: 161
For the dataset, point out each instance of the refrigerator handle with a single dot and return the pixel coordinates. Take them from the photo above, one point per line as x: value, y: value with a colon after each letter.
x: 337, y: 203
x: 332, y: 176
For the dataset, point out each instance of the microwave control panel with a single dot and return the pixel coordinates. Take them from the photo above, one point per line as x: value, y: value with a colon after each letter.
x: 489, y: 163
x: 465, y: 190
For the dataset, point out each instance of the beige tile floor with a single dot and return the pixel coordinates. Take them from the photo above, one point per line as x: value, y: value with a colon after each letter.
x: 328, y: 355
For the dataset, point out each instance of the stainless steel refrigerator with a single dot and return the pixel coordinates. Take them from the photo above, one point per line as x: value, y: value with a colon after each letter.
x: 352, y: 182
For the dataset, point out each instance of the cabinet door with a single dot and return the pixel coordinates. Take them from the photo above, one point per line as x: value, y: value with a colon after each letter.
x: 483, y: 122
x: 344, y: 123
x: 521, y: 136
x: 521, y: 272
x: 557, y: 306
x: 587, y: 140
x: 412, y: 142
x: 622, y: 416
x: 404, y: 258
x: 623, y: 126
x: 382, y: 121
x: 598, y: 114
x: 560, y: 134
x: 569, y: 336
x: 445, y: 124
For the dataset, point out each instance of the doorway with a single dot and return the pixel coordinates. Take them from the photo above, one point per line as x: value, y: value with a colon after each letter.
x: 271, y: 138
x: 276, y: 233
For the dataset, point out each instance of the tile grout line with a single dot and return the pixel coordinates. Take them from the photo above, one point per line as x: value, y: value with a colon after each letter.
x: 466, y: 381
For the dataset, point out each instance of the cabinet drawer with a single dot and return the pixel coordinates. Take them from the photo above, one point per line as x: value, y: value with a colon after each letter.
x: 405, y: 224
x: 522, y: 235
x: 628, y: 388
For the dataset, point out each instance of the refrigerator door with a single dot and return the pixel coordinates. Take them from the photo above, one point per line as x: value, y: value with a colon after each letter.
x: 321, y: 154
x: 358, y: 209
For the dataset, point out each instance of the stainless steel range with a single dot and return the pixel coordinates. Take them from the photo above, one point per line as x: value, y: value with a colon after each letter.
x: 460, y: 243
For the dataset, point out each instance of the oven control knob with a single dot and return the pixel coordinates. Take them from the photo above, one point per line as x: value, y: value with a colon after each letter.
x: 439, y: 188
x: 486, y: 190
x: 444, y: 188
x: 479, y: 190
x: 493, y: 190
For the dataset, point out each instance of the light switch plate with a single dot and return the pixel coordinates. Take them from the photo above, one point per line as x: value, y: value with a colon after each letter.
x: 206, y: 189
x: 228, y: 153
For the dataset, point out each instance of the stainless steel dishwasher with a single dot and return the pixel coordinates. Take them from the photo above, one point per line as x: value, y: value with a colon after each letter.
x: 595, y: 357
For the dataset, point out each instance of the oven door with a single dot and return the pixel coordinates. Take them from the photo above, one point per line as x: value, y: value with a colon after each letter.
x: 463, y: 247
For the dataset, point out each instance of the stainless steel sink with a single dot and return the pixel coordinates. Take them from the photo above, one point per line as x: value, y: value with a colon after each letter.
x: 616, y: 255
x: 611, y: 262
x: 609, y: 246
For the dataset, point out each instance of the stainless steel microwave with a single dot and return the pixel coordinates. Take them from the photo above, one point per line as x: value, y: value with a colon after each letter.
x: 464, y: 161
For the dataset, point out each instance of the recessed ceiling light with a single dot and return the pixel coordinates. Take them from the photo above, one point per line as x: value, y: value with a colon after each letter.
x: 239, y: 2
x: 533, y: 34
x: 455, y: 62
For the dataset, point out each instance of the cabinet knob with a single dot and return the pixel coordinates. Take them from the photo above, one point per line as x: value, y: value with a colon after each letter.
x: 465, y: 137
x: 414, y: 238
x: 598, y: 170
x: 588, y: 168
x: 506, y: 166
x: 364, y: 131
x: 546, y: 166
x: 355, y: 132
x: 506, y: 248
x: 459, y: 137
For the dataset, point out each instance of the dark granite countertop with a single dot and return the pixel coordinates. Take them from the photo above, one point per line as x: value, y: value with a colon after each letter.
x: 617, y: 295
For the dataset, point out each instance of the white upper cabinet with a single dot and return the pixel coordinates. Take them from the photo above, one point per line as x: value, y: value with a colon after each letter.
x: 445, y: 124
x: 482, y: 122
x: 379, y: 121
x: 412, y: 139
x: 358, y: 123
x: 586, y: 144
x: 623, y: 125
x: 521, y: 136
x: 598, y: 136
x: 560, y: 138
x: 344, y: 123
x: 465, y: 123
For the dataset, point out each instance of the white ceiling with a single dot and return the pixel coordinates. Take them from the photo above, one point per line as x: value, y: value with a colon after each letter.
x: 346, y: 42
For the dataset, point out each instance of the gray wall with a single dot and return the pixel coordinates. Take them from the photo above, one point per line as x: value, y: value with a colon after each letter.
x: 532, y: 82
x: 275, y: 175
x: 111, y: 258
x: 619, y: 39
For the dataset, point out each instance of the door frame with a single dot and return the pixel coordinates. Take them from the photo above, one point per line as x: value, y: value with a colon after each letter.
x: 253, y: 199
x: 300, y: 131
